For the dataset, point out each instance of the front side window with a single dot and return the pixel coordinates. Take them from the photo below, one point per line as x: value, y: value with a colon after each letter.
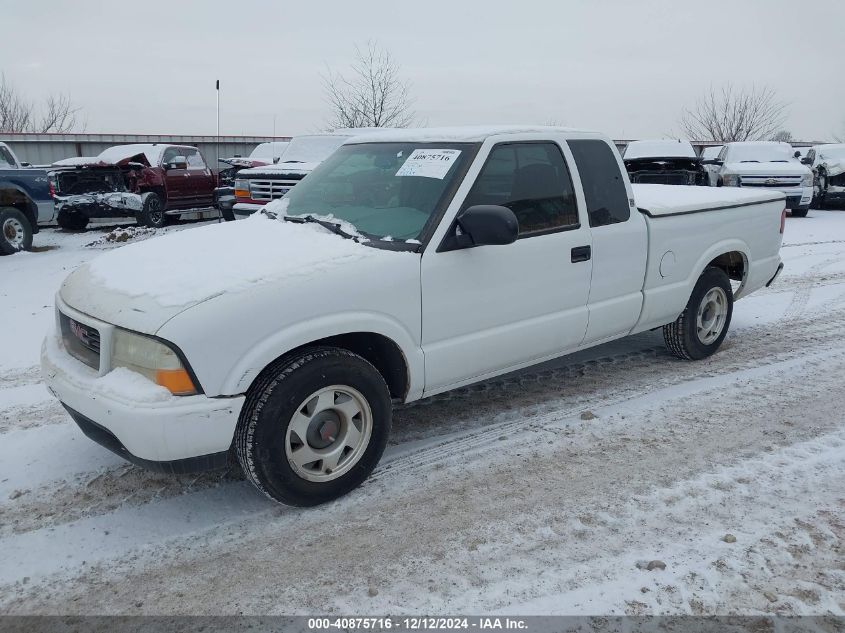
x: 601, y: 178
x: 385, y: 190
x: 195, y: 160
x: 170, y: 153
x: 6, y: 160
x: 531, y: 179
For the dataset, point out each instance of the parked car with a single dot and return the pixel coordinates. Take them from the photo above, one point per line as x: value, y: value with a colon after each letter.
x: 24, y: 202
x: 152, y: 182
x: 257, y: 186
x: 766, y: 165
x: 828, y: 165
x: 409, y: 264
x: 664, y: 162
x: 707, y: 156
x: 263, y: 154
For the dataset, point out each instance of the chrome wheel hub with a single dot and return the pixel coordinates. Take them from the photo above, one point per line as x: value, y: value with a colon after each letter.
x: 712, y: 313
x: 13, y: 232
x: 329, y: 433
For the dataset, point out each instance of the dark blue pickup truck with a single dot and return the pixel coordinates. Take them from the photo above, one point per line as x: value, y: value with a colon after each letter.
x: 25, y: 201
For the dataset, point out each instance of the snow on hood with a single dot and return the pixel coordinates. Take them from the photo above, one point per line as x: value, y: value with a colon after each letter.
x: 664, y: 199
x: 121, y: 153
x: 141, y: 286
x: 834, y: 167
x: 790, y: 168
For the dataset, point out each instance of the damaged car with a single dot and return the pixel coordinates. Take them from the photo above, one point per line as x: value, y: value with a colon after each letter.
x: 151, y: 182
x: 664, y: 162
x: 828, y: 165
x: 264, y: 154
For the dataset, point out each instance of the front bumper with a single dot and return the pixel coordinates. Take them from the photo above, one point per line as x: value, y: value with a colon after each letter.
x: 171, y: 433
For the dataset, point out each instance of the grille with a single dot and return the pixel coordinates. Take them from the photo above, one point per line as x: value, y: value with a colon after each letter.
x: 81, y: 341
x: 270, y: 189
x: 771, y: 181
x: 838, y: 180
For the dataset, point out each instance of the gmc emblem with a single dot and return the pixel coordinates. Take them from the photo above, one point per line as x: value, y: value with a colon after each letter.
x: 78, y: 331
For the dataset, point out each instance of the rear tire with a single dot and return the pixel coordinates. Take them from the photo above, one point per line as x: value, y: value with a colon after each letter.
x: 702, y: 326
x: 72, y: 221
x: 152, y: 213
x: 15, y: 231
x: 314, y: 426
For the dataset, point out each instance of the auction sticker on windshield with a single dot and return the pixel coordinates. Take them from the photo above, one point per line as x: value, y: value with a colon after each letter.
x: 429, y: 163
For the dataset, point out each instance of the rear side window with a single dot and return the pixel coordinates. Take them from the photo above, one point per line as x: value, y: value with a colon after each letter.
x: 532, y: 180
x: 604, y: 189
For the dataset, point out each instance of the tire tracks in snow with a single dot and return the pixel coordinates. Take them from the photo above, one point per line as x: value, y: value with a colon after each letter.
x: 563, y: 494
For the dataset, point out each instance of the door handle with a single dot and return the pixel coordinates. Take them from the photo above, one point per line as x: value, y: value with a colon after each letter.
x: 581, y: 254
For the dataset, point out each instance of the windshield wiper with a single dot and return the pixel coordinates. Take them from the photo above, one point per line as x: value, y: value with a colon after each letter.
x: 331, y: 226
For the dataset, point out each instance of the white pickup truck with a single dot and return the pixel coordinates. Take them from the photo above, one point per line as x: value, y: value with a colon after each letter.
x: 769, y: 165
x: 408, y: 263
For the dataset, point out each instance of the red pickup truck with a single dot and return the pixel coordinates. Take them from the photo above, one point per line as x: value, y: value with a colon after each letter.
x: 152, y: 182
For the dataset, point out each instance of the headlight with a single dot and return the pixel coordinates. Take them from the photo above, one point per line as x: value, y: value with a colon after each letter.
x: 730, y: 180
x: 241, y: 188
x: 153, y: 359
x: 807, y: 180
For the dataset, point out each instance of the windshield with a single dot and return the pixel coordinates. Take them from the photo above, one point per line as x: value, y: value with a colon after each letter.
x: 269, y: 152
x: 383, y: 189
x: 762, y: 153
x: 311, y: 149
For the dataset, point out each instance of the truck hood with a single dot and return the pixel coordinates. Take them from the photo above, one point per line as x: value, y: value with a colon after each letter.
x: 142, y: 286
x: 767, y: 169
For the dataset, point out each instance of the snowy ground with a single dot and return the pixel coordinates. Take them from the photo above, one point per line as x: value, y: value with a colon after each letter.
x: 500, y: 497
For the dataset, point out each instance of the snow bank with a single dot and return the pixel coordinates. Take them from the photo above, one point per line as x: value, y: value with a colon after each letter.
x: 665, y: 199
x: 191, y: 266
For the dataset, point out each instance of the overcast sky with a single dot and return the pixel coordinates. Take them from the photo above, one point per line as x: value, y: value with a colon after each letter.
x: 621, y: 67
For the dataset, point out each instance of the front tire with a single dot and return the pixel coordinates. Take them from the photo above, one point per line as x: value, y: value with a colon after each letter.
x: 314, y: 426
x: 15, y: 231
x: 799, y: 213
x: 152, y: 213
x: 702, y: 326
x: 72, y: 221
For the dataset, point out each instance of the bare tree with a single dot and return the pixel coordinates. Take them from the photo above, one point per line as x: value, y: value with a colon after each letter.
x: 371, y: 93
x: 784, y: 136
x: 735, y: 114
x: 17, y: 114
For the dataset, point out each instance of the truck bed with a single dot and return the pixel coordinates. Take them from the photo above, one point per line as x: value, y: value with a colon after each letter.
x: 665, y: 200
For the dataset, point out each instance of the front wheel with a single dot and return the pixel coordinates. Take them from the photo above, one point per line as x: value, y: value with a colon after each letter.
x: 799, y: 213
x: 15, y: 231
x: 704, y: 323
x: 68, y: 221
x: 314, y: 426
x: 152, y: 213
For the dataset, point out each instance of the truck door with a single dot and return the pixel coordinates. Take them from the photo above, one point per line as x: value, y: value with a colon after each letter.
x: 619, y: 240
x: 492, y: 308
x: 201, y: 181
x: 177, y: 180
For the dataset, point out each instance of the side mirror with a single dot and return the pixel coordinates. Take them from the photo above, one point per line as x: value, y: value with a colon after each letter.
x: 26, y: 164
x: 797, y: 154
x: 712, y: 161
x: 482, y: 225
x: 177, y: 162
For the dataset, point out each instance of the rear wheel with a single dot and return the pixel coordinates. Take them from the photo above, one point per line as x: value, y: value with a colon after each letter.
x: 152, y: 213
x: 72, y: 221
x: 314, y: 426
x: 704, y: 323
x: 15, y: 231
